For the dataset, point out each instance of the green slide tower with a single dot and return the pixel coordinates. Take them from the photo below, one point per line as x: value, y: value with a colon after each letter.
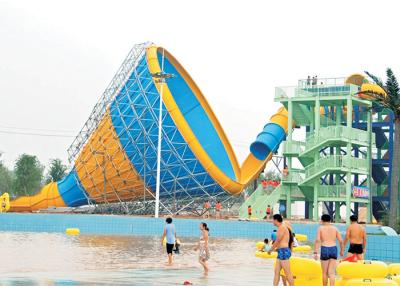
x: 331, y: 165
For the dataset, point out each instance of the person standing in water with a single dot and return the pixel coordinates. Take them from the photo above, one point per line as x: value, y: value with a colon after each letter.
x: 283, y: 245
x: 206, y: 209
x: 269, y: 212
x: 327, y: 235
x: 218, y: 208
x: 358, y: 238
x: 204, y: 252
x: 170, y: 236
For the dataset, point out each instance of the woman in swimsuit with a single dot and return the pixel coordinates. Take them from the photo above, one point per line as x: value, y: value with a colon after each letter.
x: 204, y: 253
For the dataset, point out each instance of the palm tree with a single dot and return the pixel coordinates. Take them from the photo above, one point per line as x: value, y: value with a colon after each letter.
x: 389, y: 97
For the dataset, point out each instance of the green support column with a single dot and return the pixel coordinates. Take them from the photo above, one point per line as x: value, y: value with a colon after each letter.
x: 317, y: 115
x: 315, y: 203
x: 337, y: 212
x: 349, y: 122
x: 289, y: 202
x: 369, y: 158
x: 316, y: 156
x: 378, y: 156
x: 289, y: 160
x: 337, y: 152
x: 311, y: 210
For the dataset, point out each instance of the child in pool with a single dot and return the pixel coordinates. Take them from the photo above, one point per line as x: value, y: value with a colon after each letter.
x: 267, y: 245
x: 177, y: 245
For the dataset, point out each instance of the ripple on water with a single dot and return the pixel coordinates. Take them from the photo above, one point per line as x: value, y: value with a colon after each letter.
x: 57, y: 259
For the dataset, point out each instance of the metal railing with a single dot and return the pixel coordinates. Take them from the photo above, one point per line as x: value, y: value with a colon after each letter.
x: 323, y: 90
x: 328, y: 88
x: 294, y: 176
x: 336, y: 132
x: 332, y: 191
x: 336, y: 161
x: 293, y: 147
x: 309, y: 82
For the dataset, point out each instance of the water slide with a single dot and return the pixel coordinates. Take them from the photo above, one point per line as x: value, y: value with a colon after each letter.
x: 119, y: 158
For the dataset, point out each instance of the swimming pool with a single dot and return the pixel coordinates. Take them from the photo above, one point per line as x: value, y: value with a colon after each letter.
x: 40, y: 258
x: 379, y: 247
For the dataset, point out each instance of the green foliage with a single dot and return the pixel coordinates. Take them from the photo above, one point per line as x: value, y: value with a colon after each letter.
x: 57, y: 171
x: 272, y: 175
x: 385, y: 221
x: 28, y: 175
x: 6, y: 179
x: 391, y: 99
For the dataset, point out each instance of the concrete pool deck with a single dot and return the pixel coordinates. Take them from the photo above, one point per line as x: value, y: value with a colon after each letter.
x: 379, y: 246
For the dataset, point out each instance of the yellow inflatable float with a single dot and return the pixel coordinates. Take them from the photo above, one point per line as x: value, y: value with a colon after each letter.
x: 396, y: 279
x: 260, y: 245
x: 262, y: 254
x: 305, y: 271
x: 177, y: 240
x: 362, y: 270
x: 4, y: 203
x: 394, y: 269
x: 298, y: 249
x: 302, y: 249
x: 370, y: 282
x: 72, y: 231
x: 301, y: 237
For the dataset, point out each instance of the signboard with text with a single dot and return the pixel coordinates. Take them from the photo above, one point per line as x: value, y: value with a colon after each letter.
x: 360, y: 192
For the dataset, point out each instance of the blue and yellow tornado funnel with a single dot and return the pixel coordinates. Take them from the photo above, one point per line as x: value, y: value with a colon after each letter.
x: 120, y: 155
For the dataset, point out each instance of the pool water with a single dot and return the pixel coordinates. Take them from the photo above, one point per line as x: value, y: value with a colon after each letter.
x: 36, y: 258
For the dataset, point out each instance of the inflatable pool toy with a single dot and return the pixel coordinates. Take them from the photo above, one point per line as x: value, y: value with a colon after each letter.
x: 396, y: 279
x: 352, y: 258
x: 362, y: 270
x: 165, y: 241
x: 262, y: 254
x: 394, y: 269
x: 305, y: 271
x: 305, y: 267
x: 301, y: 237
x: 4, y: 203
x: 302, y: 249
x: 370, y: 282
x: 299, y: 249
x: 300, y: 281
x: 260, y: 245
x: 72, y: 231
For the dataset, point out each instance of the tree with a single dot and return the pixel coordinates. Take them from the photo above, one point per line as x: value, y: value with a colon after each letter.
x: 6, y: 179
x: 272, y: 175
x: 389, y: 97
x: 57, y: 171
x: 28, y: 175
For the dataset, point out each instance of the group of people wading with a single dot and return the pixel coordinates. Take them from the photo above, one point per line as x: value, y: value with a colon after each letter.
x: 326, y: 243
x: 171, y: 242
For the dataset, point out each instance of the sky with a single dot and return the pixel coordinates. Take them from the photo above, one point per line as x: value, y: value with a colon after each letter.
x: 57, y: 57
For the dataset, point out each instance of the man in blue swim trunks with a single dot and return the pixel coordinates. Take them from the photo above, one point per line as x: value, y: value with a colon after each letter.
x: 283, y: 245
x: 326, y: 237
